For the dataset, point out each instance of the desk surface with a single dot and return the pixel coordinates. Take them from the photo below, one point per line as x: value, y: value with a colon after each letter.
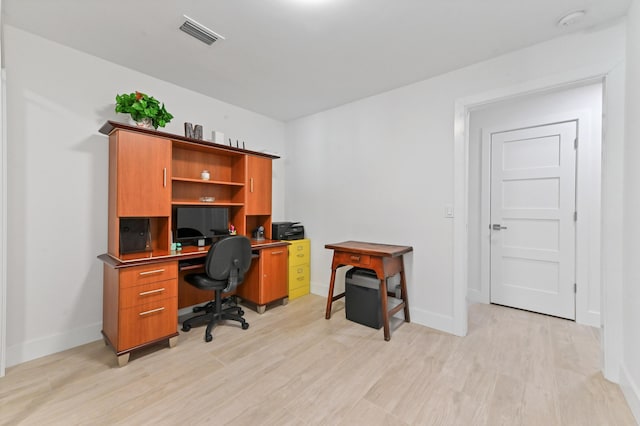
x: 188, y: 252
x: 375, y: 249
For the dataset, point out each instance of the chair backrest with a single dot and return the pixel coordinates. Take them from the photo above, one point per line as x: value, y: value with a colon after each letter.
x: 228, y: 260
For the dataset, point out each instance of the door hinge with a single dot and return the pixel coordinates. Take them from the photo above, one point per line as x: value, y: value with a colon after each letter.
x: 575, y: 287
x: 575, y: 216
x: 575, y: 143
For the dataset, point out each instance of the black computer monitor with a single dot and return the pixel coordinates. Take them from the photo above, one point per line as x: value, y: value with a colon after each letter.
x: 193, y: 223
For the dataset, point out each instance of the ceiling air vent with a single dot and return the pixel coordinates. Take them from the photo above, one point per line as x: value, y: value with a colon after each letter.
x: 199, y: 31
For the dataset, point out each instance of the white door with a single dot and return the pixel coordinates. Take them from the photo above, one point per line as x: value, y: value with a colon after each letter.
x: 532, y: 218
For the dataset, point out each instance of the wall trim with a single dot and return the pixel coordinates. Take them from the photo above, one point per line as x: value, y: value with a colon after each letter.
x: 418, y: 316
x: 3, y: 217
x: 631, y: 392
x: 32, y: 349
x: 611, y: 350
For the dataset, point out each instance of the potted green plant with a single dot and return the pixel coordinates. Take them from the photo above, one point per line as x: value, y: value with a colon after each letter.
x: 145, y: 110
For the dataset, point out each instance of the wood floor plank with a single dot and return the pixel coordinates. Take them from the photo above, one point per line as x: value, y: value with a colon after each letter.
x: 293, y: 367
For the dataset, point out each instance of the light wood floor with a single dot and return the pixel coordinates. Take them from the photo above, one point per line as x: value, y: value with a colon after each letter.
x: 293, y: 367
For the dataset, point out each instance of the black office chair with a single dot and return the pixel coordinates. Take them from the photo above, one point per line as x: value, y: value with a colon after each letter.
x: 227, y: 262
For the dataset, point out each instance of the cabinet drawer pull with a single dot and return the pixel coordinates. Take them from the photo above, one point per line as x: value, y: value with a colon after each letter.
x: 251, y: 181
x: 300, y: 278
x: 155, y: 271
x: 144, y: 293
x: 164, y: 177
x: 151, y: 311
x: 300, y: 248
x: 300, y: 255
x: 277, y: 252
x: 356, y: 258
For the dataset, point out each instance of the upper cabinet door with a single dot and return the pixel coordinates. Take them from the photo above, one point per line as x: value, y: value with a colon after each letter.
x: 143, y: 175
x: 258, y: 200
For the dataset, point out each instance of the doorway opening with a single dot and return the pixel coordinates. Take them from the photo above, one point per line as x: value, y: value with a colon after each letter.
x: 534, y: 168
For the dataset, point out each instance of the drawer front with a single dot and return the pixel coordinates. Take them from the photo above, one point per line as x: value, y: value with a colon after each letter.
x: 145, y: 323
x: 137, y: 275
x: 299, y: 252
x: 148, y: 293
x: 353, y: 259
x: 298, y: 277
x: 294, y: 294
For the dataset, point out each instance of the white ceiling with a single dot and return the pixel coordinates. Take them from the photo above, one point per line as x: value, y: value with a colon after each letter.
x: 290, y: 58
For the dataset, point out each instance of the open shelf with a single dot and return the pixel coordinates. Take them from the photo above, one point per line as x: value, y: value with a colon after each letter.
x: 202, y: 203
x: 207, y: 182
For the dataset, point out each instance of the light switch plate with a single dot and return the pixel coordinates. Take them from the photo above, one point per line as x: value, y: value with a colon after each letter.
x: 448, y: 210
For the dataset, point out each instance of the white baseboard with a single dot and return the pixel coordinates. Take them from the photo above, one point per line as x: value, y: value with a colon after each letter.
x: 432, y: 319
x: 590, y: 318
x: 419, y: 316
x: 631, y: 392
x: 37, y: 348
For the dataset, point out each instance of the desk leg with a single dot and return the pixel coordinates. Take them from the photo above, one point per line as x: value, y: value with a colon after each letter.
x: 385, y: 309
x: 403, y: 290
x: 330, y: 296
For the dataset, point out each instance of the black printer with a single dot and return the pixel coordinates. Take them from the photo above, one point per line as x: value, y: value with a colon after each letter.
x: 287, y: 231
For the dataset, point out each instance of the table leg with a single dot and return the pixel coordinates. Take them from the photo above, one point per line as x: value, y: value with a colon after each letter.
x: 385, y: 309
x: 330, y: 296
x: 404, y: 294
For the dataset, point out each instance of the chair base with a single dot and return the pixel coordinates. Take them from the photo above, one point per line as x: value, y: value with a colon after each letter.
x: 214, y: 313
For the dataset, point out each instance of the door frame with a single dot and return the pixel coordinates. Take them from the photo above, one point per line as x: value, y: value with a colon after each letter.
x: 587, y: 235
x: 3, y: 218
x: 612, y: 76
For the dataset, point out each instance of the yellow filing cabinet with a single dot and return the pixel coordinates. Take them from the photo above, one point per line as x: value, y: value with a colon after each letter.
x: 299, y: 261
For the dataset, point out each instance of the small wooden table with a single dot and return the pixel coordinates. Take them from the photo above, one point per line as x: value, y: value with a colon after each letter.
x: 386, y: 260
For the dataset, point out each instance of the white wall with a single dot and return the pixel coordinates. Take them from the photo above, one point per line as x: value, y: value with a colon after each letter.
x: 57, y: 98
x: 381, y: 169
x: 585, y: 104
x: 630, y: 374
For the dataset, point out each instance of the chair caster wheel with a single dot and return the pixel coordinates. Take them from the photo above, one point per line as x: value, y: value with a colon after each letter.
x: 245, y: 325
x: 186, y: 327
x: 208, y: 338
x: 241, y: 312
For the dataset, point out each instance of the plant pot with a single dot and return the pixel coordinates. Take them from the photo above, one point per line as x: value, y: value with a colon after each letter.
x: 145, y: 123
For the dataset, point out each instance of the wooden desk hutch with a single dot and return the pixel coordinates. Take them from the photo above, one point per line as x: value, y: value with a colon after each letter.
x: 150, y: 172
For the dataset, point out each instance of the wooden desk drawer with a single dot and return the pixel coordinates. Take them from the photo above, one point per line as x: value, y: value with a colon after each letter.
x: 353, y: 259
x: 299, y: 252
x: 137, y: 275
x: 148, y: 322
x: 148, y: 293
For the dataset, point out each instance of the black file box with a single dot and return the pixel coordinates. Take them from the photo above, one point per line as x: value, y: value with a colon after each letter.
x: 362, y: 297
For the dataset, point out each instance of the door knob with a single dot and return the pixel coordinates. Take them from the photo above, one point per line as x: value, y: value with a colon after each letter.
x: 497, y: 227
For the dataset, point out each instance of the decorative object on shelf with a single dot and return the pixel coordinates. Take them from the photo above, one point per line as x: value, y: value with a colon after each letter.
x: 188, y: 130
x: 232, y: 230
x: 207, y: 199
x: 144, y: 110
x: 204, y: 175
x: 193, y: 132
x: 258, y: 233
